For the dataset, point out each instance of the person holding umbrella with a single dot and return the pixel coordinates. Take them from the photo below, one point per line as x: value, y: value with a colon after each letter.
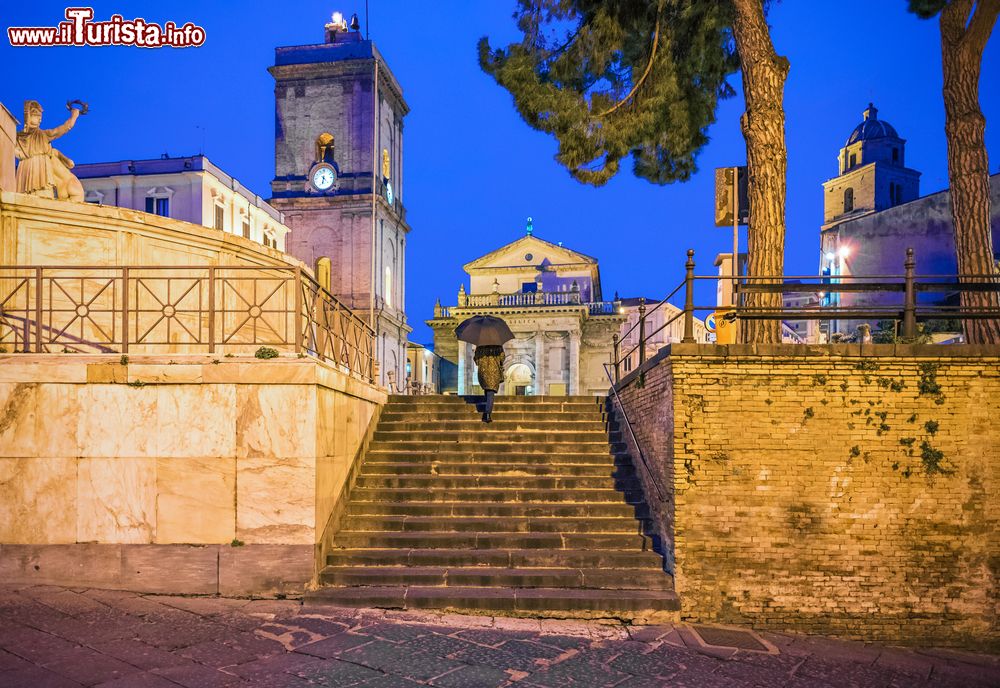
x: 488, y: 334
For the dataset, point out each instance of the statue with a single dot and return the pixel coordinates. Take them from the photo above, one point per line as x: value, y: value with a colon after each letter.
x: 43, y: 170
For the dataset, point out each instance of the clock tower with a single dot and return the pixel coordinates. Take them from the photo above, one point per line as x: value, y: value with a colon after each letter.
x: 338, y: 177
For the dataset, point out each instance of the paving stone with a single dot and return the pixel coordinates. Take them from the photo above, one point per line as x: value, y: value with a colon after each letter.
x: 438, y: 645
x: 390, y: 682
x: 143, y: 680
x: 319, y: 626
x: 36, y: 677
x: 642, y: 665
x: 577, y: 673
x: 199, y: 676
x: 497, y: 658
x: 393, y: 659
x: 216, y: 654
x: 89, y: 666
x: 395, y: 632
x: 335, y: 645
x: 139, y: 654
x: 491, y: 637
x: 473, y: 677
x: 336, y: 674
x: 289, y: 663
x: 253, y: 644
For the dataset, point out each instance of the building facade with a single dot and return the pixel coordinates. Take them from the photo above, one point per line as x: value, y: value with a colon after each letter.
x: 551, y: 298
x: 423, y: 370
x: 664, y: 325
x: 338, y: 176
x: 191, y: 189
x: 888, y: 217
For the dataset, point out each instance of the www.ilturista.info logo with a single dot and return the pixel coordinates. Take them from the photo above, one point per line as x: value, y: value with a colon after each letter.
x: 80, y: 29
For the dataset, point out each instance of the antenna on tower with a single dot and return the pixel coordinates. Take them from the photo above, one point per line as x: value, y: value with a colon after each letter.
x: 367, y: 24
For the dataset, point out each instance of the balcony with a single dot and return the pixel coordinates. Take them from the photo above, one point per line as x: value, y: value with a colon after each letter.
x: 537, y: 299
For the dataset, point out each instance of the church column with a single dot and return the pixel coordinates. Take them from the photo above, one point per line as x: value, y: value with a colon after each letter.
x: 539, y: 362
x: 574, y: 363
x: 461, y: 367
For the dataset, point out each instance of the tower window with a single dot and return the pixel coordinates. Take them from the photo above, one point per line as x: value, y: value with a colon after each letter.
x: 158, y: 206
x: 848, y: 200
x: 387, y: 290
x: 220, y: 217
x: 246, y: 229
x: 895, y: 155
x: 854, y: 161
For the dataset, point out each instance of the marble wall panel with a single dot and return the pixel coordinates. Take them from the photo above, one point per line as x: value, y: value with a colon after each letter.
x: 116, y: 421
x: 195, y: 420
x: 116, y: 500
x: 275, y: 500
x: 276, y: 421
x: 18, y: 419
x: 37, y: 500
x: 195, y: 500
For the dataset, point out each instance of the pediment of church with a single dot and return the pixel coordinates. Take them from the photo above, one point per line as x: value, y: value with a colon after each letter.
x: 529, y: 251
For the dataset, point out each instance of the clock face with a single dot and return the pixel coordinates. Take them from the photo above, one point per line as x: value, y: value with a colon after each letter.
x: 323, y: 178
x: 388, y: 192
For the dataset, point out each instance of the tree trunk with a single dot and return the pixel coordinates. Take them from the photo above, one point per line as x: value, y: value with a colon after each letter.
x: 962, y: 44
x: 763, y: 126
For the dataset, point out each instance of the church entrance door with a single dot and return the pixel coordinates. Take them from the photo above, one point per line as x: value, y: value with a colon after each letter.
x: 519, y: 380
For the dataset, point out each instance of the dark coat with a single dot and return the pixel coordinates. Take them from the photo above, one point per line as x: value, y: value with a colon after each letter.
x: 490, y: 360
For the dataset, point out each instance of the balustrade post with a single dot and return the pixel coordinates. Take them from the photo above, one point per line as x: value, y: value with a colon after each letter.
x: 38, y: 310
x: 211, y: 309
x: 642, y: 330
x: 124, y: 310
x: 297, y: 320
x: 689, y: 299
x: 910, y: 297
x: 615, y: 345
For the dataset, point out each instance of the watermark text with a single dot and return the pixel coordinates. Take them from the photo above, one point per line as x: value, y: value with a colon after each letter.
x: 81, y: 29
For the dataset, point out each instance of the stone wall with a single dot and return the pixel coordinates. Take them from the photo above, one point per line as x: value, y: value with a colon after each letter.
x: 840, y: 489
x: 190, y: 475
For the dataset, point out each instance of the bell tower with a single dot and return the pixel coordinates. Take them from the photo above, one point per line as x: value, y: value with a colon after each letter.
x: 872, y: 174
x: 338, y: 176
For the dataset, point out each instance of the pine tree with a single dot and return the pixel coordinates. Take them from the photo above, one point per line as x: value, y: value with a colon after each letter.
x: 613, y: 78
x: 966, y: 26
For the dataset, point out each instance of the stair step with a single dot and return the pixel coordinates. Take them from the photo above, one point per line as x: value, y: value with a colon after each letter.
x: 507, y: 524
x: 535, y: 510
x: 520, y: 445
x: 352, y: 539
x: 474, y: 415
x: 499, y: 425
x: 485, y: 434
x: 590, y: 602
x: 480, y: 494
x: 474, y: 455
x: 502, y: 482
x: 487, y: 576
x: 606, y: 471
x: 511, y: 558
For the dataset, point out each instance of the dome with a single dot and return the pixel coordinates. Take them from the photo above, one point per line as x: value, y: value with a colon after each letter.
x: 872, y: 128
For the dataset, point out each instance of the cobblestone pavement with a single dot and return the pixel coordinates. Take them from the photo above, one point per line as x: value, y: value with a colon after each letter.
x: 71, y: 637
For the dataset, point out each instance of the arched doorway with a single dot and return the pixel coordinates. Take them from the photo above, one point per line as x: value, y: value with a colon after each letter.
x: 519, y: 380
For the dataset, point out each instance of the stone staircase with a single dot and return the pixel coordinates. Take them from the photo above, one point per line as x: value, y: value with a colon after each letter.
x: 538, y: 513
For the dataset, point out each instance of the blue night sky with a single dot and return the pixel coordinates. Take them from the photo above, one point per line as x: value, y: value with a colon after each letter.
x: 474, y: 171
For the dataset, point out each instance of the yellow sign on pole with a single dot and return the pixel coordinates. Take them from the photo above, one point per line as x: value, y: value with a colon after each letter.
x: 725, y: 328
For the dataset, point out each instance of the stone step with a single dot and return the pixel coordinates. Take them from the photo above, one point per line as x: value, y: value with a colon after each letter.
x: 503, y: 482
x: 484, y: 434
x: 428, y: 414
x: 348, y: 539
x: 607, y: 471
x: 568, y: 602
x: 525, y: 446
x: 535, y: 510
x: 525, y: 495
x: 431, y: 399
x: 473, y: 454
x: 508, y: 558
x: 499, y: 425
x: 486, y: 576
x: 619, y: 523
x: 499, y: 404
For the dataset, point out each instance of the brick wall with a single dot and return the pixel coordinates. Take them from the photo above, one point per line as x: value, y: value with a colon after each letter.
x: 821, y: 490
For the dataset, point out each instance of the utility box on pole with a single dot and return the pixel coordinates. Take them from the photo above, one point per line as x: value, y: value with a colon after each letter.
x: 724, y: 196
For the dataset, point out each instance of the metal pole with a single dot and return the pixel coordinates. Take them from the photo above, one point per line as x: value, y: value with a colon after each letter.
x: 124, y: 310
x: 211, y: 310
x: 38, y: 310
x: 642, y: 330
x: 910, y: 301
x: 297, y: 320
x: 614, y: 357
x: 736, y: 231
x: 689, y: 299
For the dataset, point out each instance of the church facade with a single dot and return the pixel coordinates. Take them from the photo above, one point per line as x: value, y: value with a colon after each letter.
x: 339, y: 177
x: 873, y: 213
x: 551, y: 298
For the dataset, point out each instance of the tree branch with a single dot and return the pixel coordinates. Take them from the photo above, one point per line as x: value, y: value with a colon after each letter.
x: 649, y: 66
x: 981, y: 25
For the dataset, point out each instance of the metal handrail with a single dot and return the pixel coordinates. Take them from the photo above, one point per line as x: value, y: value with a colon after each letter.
x: 628, y: 424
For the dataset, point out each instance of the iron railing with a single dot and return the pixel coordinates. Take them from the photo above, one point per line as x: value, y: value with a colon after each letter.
x: 909, y: 311
x: 158, y: 309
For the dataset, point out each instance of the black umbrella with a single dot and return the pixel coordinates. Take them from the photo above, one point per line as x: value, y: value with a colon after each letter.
x: 484, y: 330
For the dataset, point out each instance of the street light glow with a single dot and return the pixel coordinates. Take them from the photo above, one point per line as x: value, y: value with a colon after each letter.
x: 844, y: 252
x: 830, y: 256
